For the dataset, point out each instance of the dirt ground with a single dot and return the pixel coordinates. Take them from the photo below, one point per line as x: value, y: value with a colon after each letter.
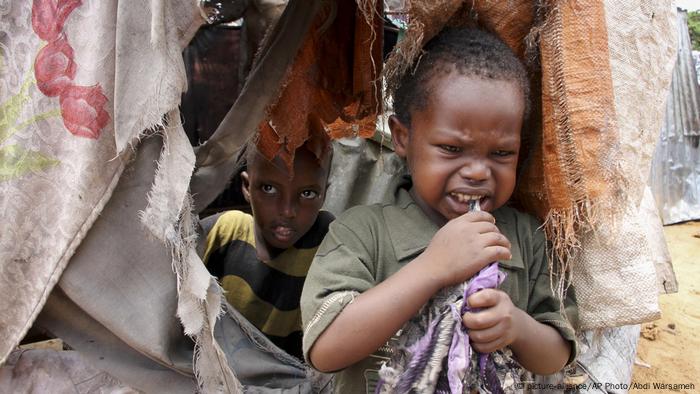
x: 669, y: 348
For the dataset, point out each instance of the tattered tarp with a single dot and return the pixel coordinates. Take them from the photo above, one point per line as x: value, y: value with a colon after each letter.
x: 118, y: 300
x: 82, y: 83
x: 675, y: 170
x: 93, y: 129
x: 55, y: 371
x: 325, y: 81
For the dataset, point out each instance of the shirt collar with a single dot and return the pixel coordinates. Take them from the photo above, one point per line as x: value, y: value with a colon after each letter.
x: 409, y: 228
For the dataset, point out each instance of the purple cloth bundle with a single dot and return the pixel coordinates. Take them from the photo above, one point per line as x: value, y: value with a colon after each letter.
x: 460, y: 350
x: 446, y: 330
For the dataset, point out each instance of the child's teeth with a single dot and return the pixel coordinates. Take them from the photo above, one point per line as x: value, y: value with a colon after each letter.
x: 466, y: 197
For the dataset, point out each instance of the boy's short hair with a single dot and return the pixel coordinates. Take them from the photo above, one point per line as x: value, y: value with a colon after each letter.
x: 467, y: 51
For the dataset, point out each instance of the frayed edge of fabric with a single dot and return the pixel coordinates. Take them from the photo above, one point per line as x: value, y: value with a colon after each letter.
x: 564, y: 229
x: 368, y: 10
x: 168, y: 216
x: 419, y: 30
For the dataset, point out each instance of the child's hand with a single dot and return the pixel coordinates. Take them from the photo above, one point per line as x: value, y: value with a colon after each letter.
x: 495, y: 326
x: 464, y: 246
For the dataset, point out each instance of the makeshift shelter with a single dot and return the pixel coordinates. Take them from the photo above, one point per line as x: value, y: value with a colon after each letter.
x: 675, y: 168
x: 89, y: 124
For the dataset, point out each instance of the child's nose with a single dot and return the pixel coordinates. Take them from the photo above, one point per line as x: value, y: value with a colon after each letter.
x: 289, y: 208
x: 475, y: 171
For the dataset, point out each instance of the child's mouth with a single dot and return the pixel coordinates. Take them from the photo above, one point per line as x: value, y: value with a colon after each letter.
x: 465, y: 198
x: 283, y: 233
x: 465, y: 202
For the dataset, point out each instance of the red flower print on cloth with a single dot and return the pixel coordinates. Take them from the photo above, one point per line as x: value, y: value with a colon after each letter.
x: 82, y: 108
x: 54, y: 67
x: 48, y: 16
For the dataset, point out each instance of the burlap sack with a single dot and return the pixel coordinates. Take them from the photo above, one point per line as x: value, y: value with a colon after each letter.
x: 571, y: 169
x: 615, y: 274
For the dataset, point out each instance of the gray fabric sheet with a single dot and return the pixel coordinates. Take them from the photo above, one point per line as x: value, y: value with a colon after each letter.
x: 116, y: 300
x: 54, y: 371
x: 116, y: 303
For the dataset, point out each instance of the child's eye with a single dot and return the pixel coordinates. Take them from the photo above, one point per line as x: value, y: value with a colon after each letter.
x: 309, y: 194
x: 503, y: 153
x: 450, y: 148
x: 268, y: 189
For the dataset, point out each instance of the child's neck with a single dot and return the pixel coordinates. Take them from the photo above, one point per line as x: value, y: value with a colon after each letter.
x: 433, y: 215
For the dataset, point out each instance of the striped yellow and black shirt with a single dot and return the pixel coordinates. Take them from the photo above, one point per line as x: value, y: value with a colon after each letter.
x: 267, y: 293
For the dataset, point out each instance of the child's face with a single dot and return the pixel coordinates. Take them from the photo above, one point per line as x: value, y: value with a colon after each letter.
x: 284, y: 207
x: 463, y: 145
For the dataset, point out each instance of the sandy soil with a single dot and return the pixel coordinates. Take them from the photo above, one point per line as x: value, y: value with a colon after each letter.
x: 669, y: 348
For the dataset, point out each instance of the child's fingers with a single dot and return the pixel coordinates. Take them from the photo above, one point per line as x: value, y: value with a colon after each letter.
x: 478, y: 216
x: 478, y: 322
x: 494, y: 239
x: 495, y: 253
x: 485, y: 298
x: 484, y: 318
x: 490, y: 336
x: 484, y: 227
x: 487, y: 335
x: 488, y: 347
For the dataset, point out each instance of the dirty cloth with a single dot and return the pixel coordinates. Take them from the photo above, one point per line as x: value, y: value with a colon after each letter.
x: 624, y: 288
x: 55, y: 371
x: 139, y: 339
x: 104, y: 77
x: 82, y: 82
x: 332, y: 86
x: 79, y: 83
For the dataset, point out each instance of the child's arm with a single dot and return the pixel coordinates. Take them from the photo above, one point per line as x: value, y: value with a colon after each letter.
x: 456, y: 252
x: 538, y: 347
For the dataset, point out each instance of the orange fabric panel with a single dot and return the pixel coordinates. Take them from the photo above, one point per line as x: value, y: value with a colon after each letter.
x: 332, y: 87
x: 574, y: 164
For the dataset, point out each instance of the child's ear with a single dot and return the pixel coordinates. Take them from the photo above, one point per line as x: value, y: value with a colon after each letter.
x: 245, y: 185
x: 399, y: 136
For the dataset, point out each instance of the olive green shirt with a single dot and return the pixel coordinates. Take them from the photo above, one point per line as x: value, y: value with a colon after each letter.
x: 367, y: 244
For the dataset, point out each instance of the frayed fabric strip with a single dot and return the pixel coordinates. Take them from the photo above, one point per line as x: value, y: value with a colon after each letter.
x: 168, y: 217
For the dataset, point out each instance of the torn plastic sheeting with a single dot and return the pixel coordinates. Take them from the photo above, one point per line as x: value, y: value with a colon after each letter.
x: 675, y: 169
